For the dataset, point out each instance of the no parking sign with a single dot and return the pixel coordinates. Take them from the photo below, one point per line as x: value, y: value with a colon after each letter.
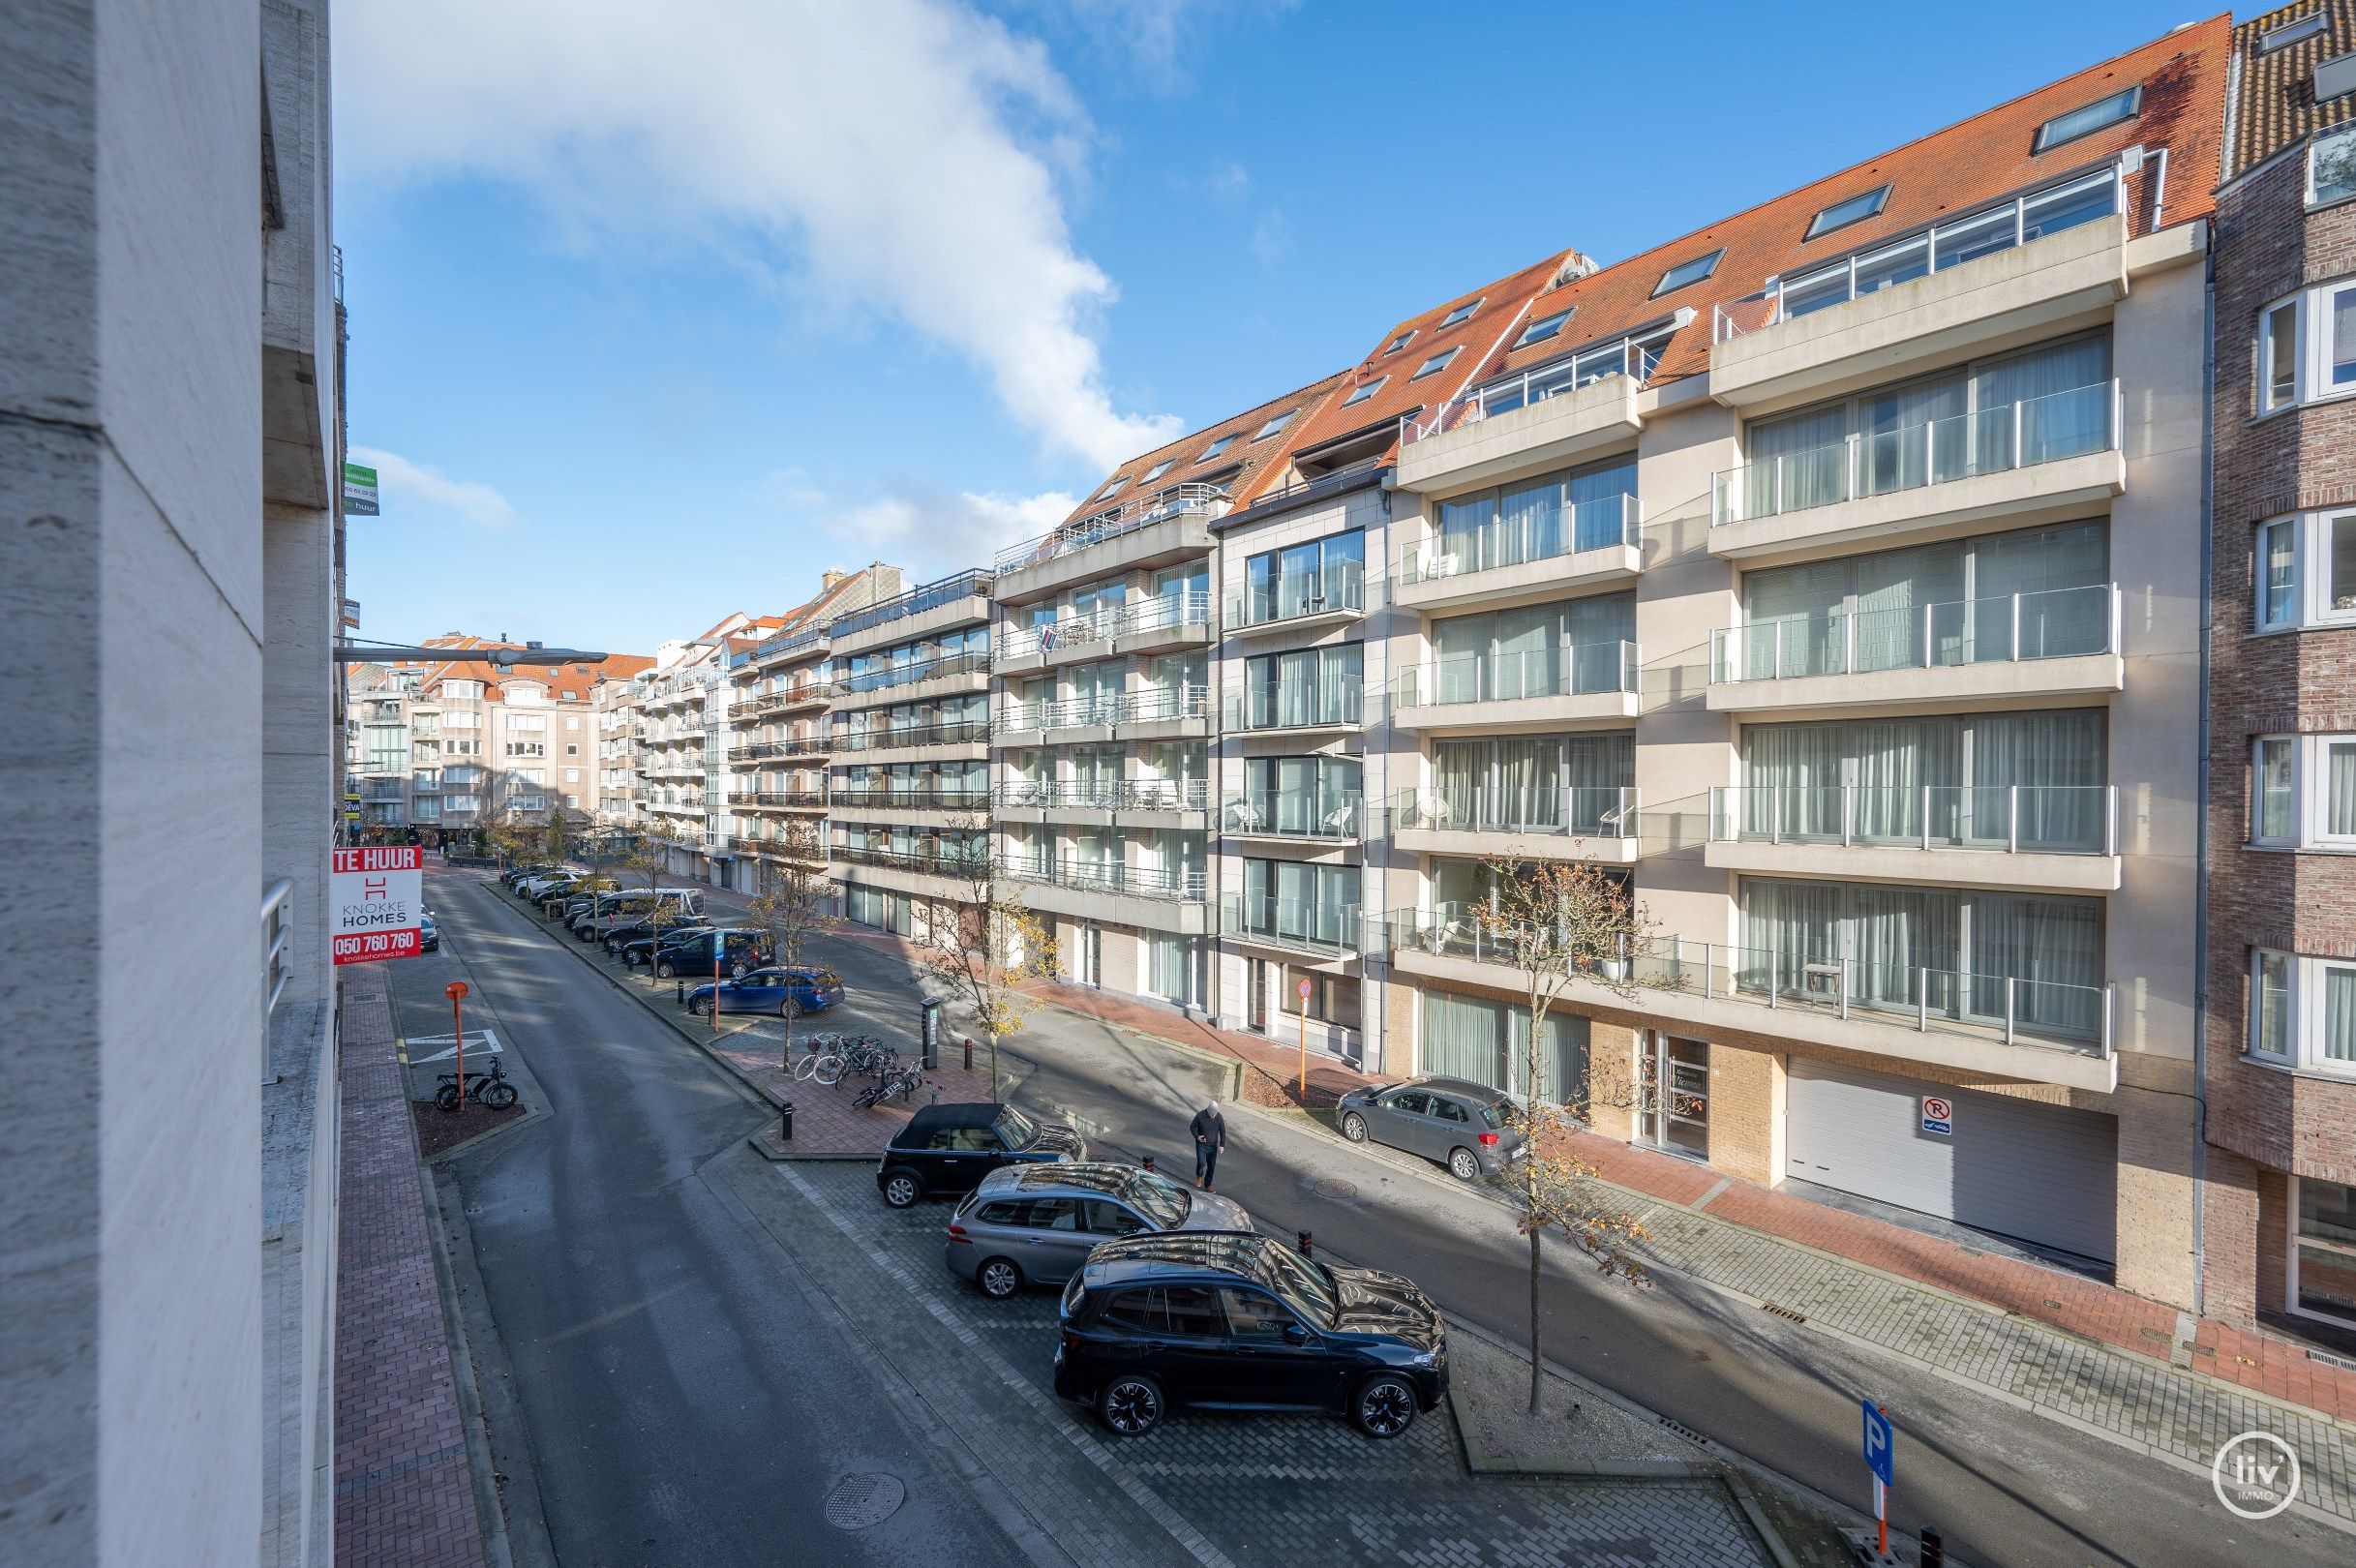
x: 1938, y: 1116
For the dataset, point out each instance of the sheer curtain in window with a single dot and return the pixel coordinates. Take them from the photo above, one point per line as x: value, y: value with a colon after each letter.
x: 1599, y: 505
x: 1595, y: 770
x: 1529, y: 655
x: 1528, y: 788
x: 2049, y: 769
x: 2340, y: 789
x: 1462, y: 526
x: 1594, y: 631
x: 1792, y: 619
x: 1529, y: 523
x: 2052, y: 950
x: 1896, y: 591
x: 1460, y: 779
x: 1786, y: 928
x: 2061, y: 576
x: 1911, y: 436
x: 2065, y: 400
x: 2340, y: 1014
x: 1459, y: 651
x: 1896, y: 761
x: 1466, y: 1039
x: 1795, y: 462
x: 1894, y: 933
x: 1792, y: 776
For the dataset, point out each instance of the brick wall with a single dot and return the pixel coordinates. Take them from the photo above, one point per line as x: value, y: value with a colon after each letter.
x: 1746, y: 1113
x: 2304, y: 682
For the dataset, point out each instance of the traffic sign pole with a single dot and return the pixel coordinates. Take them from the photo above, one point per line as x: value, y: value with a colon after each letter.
x: 1881, y: 1440
x: 456, y: 991
x: 1304, y: 994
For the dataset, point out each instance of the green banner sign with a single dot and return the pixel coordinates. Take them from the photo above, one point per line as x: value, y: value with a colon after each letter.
x: 359, y: 491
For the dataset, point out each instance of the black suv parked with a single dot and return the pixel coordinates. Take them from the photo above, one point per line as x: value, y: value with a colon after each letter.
x: 951, y: 1148
x: 692, y: 955
x: 1242, y: 1321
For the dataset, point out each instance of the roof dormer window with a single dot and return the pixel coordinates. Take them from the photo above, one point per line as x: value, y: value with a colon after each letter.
x: 1463, y: 312
x: 1686, y: 273
x: 2088, y: 118
x: 1275, y: 424
x: 1850, y: 210
x: 1216, y: 447
x: 1365, y: 390
x: 1437, y: 362
x: 1543, y: 328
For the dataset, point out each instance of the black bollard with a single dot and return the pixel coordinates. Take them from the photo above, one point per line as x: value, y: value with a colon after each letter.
x: 678, y: 990
x: 1306, y: 1242
x: 1149, y: 1161
x: 969, y: 1053
x: 785, y: 1120
x: 1934, y: 1548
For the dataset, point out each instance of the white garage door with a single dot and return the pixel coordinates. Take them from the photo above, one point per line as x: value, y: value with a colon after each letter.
x: 2044, y: 1174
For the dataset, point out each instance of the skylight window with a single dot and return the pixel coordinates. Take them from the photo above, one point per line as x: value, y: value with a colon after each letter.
x: 1365, y: 391
x: 1157, y: 470
x: 1437, y: 362
x: 2088, y: 118
x: 1400, y: 342
x: 1216, y: 447
x: 1463, y: 312
x: 2290, y: 32
x: 1854, y: 209
x: 1688, y: 272
x: 1118, y: 480
x: 1272, y: 426
x: 1543, y: 328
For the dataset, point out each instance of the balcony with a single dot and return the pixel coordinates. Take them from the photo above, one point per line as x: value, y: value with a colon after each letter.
x: 1137, y: 802
x: 1528, y: 425
x: 1112, y: 893
x: 2062, y: 837
x: 1159, y: 529
x: 787, y: 644
x: 762, y: 704
x: 851, y: 802
x: 2018, y: 462
x: 914, y: 679
x: 954, y: 601
x: 1547, y: 688
x: 1293, y: 817
x: 1291, y: 710
x: 1322, y: 931
x: 785, y: 800
x: 913, y: 742
x: 1153, y: 625
x: 927, y: 872
x: 1523, y: 558
x: 2048, y: 262
x: 1301, y: 601
x: 801, y: 745
x: 2038, y: 1031
x: 2059, y: 643
x: 1563, y: 823
x: 1156, y: 714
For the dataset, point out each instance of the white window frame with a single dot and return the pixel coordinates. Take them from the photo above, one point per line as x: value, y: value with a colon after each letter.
x: 2311, y: 773
x: 2304, y: 978
x: 2311, y: 318
x: 1434, y: 365
x: 1366, y: 390
x: 2047, y: 140
x: 2282, y: 35
x: 1461, y: 312
x: 2311, y: 585
x: 2290, y: 1261
x: 2259, y: 747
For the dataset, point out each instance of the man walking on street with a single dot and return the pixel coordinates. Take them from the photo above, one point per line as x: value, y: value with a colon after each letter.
x: 1210, y: 1130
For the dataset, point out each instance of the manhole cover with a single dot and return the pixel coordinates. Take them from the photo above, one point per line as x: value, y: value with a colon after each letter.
x: 860, y: 1501
x: 1332, y: 1188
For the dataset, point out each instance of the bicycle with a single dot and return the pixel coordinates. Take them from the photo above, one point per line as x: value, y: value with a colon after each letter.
x: 490, y: 1090
x: 831, y: 1057
x: 899, y: 1083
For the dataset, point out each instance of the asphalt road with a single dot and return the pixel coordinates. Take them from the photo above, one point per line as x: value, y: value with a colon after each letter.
x: 685, y: 1403
x: 643, y: 1329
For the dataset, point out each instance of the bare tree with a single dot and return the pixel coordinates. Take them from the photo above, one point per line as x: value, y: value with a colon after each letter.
x: 984, y: 942
x: 1558, y: 923
x: 795, y: 908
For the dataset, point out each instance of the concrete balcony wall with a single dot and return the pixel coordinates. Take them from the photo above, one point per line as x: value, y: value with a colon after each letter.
x: 2008, y: 499
x: 2010, y: 683
x: 1524, y: 583
x: 1173, y: 916
x: 1944, y: 867
x: 1182, y: 536
x: 1522, y: 714
x: 2044, y: 287
x: 1557, y: 433
x: 970, y: 610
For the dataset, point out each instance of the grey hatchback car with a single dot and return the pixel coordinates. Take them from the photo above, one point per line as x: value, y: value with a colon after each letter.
x: 1035, y: 1224
x: 1466, y: 1125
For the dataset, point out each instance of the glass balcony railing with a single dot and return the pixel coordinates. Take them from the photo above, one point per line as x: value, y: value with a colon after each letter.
x: 1114, y: 794
x: 1302, y: 706
x: 1179, y: 884
x: 913, y: 798
x: 1153, y: 704
x: 1634, y: 358
x: 1162, y: 613
x: 1580, y: 670
x: 1554, y: 531
x: 1329, y: 929
x: 1996, y: 440
x: 1570, y: 811
x: 1292, y: 814
x: 908, y: 672
x: 1338, y: 586
x: 1952, y: 243
x: 2032, y: 819
x: 956, y: 732
x: 2013, y: 1008
x: 1141, y: 511
x: 2054, y: 623
x: 939, y: 861
x: 914, y: 602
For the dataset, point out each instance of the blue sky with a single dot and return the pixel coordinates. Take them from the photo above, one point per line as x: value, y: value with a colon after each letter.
x: 660, y: 311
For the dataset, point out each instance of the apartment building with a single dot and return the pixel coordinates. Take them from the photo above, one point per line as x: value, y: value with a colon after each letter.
x: 909, y: 732
x: 1834, y: 573
x: 446, y: 748
x: 780, y: 688
x: 2281, y: 1059
x: 1103, y: 792
x: 616, y: 703
x: 681, y: 738
x: 172, y: 437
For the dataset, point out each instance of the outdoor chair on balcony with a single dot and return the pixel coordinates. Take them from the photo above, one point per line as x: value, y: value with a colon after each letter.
x: 1339, y: 819
x: 1438, y: 938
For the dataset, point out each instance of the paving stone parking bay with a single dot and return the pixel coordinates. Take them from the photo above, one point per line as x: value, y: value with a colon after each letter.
x: 2175, y: 1417
x: 1221, y: 1491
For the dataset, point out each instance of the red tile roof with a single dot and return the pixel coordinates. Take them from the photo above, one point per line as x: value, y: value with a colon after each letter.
x: 2276, y: 103
x: 1238, y: 467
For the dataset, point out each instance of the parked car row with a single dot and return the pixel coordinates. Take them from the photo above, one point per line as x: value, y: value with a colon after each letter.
x: 1170, y: 1295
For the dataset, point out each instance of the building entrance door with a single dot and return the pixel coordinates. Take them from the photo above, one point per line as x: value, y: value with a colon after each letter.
x: 1675, y: 1075
x: 1256, y: 994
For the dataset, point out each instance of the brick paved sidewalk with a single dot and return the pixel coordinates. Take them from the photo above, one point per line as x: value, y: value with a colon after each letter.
x: 404, y: 1493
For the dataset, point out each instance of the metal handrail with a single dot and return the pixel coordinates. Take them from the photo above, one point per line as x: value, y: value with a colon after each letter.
x: 1138, y: 512
x: 914, y: 602
x: 1122, y: 794
x: 1570, y: 669
x: 277, y: 939
x: 958, y: 732
x: 1106, y: 876
x: 1337, y: 587
x: 1308, y: 927
x: 970, y: 661
x: 1572, y: 812
x: 1260, y: 708
x: 1947, y: 634
x: 1155, y: 613
x: 1537, y: 386
x: 931, y: 797
x: 1593, y: 527
x: 2070, y: 819
x: 1291, y: 814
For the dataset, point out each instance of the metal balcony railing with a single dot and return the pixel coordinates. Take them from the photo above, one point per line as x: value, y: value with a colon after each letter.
x: 1578, y: 670
x: 1553, y: 531
x: 1337, y: 587
x: 1122, y: 707
x: 1142, y: 511
x: 2035, y: 819
x: 1291, y: 707
x: 1305, y: 814
x: 1570, y: 811
x: 2008, y: 628
x: 277, y: 941
x: 1120, y: 795
x: 914, y: 602
x: 972, y: 661
x: 1996, y: 440
x: 2007, y: 1008
x: 786, y: 797
x: 958, y: 732
x: 1161, y: 613
x: 1179, y: 885
x: 1629, y: 358
x: 925, y: 798
x: 939, y: 862
x: 1953, y: 242
x: 1328, y: 930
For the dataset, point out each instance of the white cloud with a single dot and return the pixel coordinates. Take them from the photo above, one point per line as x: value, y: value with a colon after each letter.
x: 934, y: 532
x: 471, y: 498
x: 903, y: 155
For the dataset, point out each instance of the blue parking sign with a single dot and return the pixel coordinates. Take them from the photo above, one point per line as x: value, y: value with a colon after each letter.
x: 1879, y: 1439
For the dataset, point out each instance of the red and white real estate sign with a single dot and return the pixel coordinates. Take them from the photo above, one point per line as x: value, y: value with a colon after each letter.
x: 374, y: 898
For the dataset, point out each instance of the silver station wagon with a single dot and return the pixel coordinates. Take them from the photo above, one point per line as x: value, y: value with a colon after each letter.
x: 1035, y: 1224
